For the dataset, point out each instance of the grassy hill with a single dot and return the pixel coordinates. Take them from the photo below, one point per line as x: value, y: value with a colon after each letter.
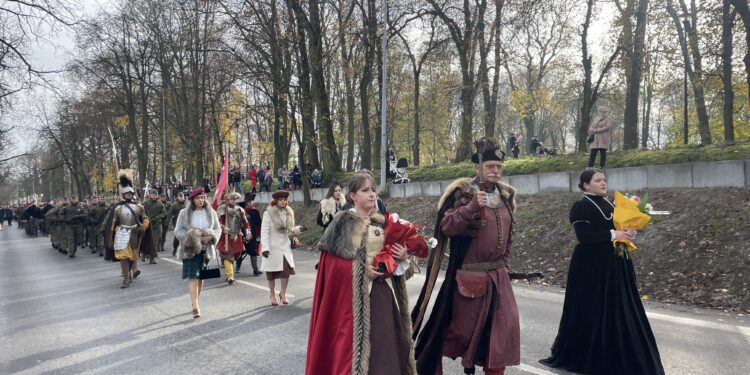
x: 570, y: 162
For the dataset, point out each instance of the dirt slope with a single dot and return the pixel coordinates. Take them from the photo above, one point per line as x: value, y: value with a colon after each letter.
x: 696, y: 256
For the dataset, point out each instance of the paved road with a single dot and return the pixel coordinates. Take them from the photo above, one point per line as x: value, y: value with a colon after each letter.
x: 68, y: 316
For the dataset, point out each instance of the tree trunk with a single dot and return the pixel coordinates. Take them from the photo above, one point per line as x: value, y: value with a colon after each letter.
x: 635, y: 68
x: 368, y: 40
x: 331, y: 158
x: 586, y: 100
x: 306, y: 97
x: 417, y: 130
x: 743, y: 8
x: 727, y: 25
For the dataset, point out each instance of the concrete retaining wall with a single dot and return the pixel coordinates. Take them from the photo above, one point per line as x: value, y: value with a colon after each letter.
x: 732, y: 173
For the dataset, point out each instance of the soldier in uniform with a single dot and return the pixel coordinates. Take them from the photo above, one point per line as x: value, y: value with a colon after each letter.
x: 164, y: 223
x: 127, y: 231
x: 43, y: 223
x: 172, y: 213
x: 73, y: 218
x: 53, y: 225
x: 156, y: 212
x: 233, y: 223
x: 83, y: 240
x: 97, y: 214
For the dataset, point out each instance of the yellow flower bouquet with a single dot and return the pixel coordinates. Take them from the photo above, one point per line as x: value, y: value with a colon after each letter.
x: 630, y: 213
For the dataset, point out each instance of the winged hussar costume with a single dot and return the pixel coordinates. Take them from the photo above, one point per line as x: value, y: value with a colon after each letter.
x: 127, y: 231
x: 475, y: 315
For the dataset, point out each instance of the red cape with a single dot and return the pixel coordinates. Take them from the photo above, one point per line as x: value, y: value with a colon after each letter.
x: 329, y: 346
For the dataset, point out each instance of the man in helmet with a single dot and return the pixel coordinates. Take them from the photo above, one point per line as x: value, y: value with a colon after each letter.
x: 127, y: 231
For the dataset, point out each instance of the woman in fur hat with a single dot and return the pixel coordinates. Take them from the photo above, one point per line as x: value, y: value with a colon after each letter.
x: 277, y: 233
x: 329, y: 206
x: 356, y: 324
x: 198, y: 230
x: 233, y: 223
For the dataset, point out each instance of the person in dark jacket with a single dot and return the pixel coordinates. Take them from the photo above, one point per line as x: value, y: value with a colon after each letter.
x: 251, y: 245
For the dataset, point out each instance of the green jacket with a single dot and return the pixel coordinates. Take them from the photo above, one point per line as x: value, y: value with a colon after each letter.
x: 155, y: 211
x: 174, y: 211
x: 73, y: 214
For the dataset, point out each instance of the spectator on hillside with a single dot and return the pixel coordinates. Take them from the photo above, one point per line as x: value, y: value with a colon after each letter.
x: 268, y: 179
x: 252, y: 176
x: 261, y: 178
x: 283, y: 175
x: 535, y: 146
x: 599, y: 129
x: 513, y: 145
x: 237, y: 180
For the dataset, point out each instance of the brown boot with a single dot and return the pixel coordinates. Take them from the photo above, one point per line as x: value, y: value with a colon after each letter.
x: 494, y: 371
x: 125, y: 267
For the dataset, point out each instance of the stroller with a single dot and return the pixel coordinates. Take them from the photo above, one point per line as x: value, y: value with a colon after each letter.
x: 397, y: 170
x: 316, y: 178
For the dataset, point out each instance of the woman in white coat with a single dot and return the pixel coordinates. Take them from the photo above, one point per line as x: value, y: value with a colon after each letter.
x: 197, y: 228
x: 276, y: 239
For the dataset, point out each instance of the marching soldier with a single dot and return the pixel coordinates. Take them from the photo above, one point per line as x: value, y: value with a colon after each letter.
x: 73, y: 217
x: 52, y: 220
x: 164, y: 222
x: 97, y: 214
x: 174, y: 211
x: 156, y: 212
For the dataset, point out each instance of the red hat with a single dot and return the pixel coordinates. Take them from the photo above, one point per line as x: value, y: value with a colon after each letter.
x: 196, y: 192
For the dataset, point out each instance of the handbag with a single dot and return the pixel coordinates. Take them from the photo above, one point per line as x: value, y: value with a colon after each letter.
x: 590, y: 139
x: 471, y: 284
x: 210, y: 273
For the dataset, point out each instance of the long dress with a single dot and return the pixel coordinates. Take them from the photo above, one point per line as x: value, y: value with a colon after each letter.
x: 603, y: 329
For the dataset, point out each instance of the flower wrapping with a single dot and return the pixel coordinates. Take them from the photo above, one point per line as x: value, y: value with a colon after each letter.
x: 628, y: 215
x: 402, y: 232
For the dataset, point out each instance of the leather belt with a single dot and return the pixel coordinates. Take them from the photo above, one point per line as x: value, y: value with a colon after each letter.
x: 486, y: 266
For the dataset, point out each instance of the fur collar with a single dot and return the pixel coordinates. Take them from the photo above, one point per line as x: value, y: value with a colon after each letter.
x: 274, y: 212
x: 330, y: 206
x: 465, y: 185
x: 344, y: 236
x: 344, y: 239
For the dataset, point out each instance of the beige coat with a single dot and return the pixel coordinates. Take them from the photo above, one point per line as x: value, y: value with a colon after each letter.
x: 600, y: 128
x: 275, y: 231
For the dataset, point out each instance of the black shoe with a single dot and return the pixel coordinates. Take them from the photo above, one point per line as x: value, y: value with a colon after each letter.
x: 124, y: 285
x: 93, y: 251
x: 64, y: 252
x: 152, y: 261
x: 136, y: 274
x: 256, y: 273
x: 73, y: 255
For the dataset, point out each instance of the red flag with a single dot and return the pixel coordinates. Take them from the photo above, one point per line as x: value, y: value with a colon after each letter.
x: 222, y: 184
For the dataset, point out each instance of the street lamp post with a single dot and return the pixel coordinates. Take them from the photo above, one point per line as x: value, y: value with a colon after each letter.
x: 383, y: 106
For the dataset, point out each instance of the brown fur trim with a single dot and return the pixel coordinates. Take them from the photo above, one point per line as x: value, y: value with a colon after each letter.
x: 274, y: 212
x: 465, y: 185
x: 343, y: 236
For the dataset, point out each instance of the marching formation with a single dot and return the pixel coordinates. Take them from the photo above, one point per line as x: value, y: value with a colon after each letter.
x: 360, y: 320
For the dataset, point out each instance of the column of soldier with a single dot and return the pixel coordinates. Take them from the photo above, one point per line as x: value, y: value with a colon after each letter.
x: 74, y: 224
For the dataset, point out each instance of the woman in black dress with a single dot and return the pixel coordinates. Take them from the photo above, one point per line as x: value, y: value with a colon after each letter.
x: 603, y: 329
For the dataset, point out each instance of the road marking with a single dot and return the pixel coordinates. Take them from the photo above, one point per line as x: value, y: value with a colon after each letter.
x: 533, y: 370
x: 699, y: 323
x: 243, y: 282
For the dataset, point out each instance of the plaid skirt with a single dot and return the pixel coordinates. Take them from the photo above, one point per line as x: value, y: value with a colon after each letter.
x: 191, y: 268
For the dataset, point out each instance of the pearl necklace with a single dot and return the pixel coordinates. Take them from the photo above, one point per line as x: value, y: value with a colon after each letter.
x: 600, y: 209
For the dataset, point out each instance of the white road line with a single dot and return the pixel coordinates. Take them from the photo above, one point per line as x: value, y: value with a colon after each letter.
x: 533, y: 370
x: 243, y: 282
x: 698, y: 323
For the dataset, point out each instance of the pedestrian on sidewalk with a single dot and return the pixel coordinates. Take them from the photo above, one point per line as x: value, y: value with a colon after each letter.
x: 599, y: 136
x: 359, y: 323
x: 198, y: 231
x: 604, y: 328
x: 252, y: 235
x: 277, y: 237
